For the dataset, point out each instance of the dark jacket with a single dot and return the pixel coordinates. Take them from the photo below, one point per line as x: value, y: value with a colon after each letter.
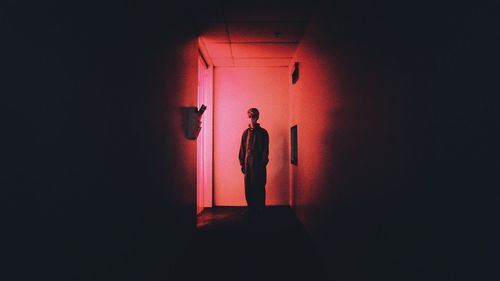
x: 259, y: 146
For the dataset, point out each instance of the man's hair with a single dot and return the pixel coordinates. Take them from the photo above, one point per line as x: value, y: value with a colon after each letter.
x: 254, y: 111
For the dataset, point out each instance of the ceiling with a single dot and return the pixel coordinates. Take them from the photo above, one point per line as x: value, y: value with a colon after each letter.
x: 252, y: 34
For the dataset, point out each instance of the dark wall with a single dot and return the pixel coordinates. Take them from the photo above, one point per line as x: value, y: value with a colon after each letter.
x: 100, y: 181
x: 396, y: 137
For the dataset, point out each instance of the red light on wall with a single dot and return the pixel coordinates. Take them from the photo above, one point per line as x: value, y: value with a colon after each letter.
x: 236, y: 90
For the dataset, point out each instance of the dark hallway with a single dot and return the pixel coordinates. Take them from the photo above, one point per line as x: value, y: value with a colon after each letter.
x: 397, y: 112
x: 234, y: 246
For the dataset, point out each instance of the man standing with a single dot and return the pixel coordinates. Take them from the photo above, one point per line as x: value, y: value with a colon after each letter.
x: 253, y: 156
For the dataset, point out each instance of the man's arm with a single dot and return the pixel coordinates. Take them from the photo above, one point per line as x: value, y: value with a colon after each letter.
x: 243, y: 150
x: 265, y: 148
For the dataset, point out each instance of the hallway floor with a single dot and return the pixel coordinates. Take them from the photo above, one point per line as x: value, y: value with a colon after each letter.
x: 230, y: 245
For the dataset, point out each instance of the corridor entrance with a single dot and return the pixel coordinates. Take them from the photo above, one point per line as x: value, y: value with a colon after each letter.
x: 251, y: 53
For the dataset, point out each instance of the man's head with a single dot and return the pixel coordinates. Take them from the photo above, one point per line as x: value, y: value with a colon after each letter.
x: 253, y: 115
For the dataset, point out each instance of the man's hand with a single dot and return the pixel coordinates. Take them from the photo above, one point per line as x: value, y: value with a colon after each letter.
x: 243, y: 169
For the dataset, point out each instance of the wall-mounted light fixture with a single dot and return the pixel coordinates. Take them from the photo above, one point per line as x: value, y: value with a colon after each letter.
x: 194, y: 121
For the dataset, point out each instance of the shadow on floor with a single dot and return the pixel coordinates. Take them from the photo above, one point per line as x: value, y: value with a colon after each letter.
x: 232, y: 245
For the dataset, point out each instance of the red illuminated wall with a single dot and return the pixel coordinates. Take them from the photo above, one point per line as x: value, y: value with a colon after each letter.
x: 392, y: 140
x: 235, y: 90
x: 348, y: 114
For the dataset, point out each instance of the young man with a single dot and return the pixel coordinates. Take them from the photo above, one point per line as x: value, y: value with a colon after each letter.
x: 253, y: 156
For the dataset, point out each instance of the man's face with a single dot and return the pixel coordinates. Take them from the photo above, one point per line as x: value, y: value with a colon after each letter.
x: 253, y: 118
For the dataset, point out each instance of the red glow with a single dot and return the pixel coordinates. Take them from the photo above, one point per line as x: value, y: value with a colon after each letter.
x: 248, y: 74
x: 274, y: 50
x: 235, y: 90
x: 219, y: 50
x: 204, y: 141
x: 313, y: 106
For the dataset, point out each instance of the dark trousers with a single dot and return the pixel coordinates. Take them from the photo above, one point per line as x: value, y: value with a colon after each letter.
x: 255, y: 183
x: 255, y: 195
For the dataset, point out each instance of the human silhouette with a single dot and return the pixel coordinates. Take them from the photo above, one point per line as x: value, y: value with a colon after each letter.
x: 253, y: 156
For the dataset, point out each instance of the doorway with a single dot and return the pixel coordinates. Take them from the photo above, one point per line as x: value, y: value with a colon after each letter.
x: 204, y: 145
